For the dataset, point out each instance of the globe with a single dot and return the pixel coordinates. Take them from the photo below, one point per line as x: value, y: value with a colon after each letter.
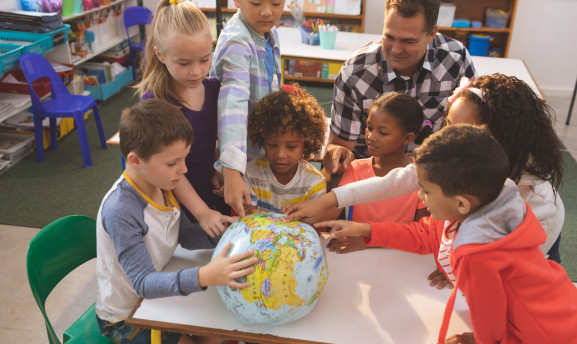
x: 289, y: 277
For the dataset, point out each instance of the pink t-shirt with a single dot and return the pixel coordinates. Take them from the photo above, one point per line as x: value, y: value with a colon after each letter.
x: 399, y: 209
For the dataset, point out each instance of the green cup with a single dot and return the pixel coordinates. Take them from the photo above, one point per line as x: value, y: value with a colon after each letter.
x: 328, y: 39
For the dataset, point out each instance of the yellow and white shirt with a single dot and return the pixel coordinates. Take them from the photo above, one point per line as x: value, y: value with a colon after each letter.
x: 267, y: 194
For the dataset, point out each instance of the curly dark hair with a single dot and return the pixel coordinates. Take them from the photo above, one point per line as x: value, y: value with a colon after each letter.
x: 296, y: 111
x: 522, y: 123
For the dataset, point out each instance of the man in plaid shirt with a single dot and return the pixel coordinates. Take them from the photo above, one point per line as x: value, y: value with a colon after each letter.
x: 410, y: 58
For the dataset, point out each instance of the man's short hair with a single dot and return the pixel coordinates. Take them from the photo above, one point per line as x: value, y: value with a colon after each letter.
x: 464, y: 159
x: 410, y: 8
x: 150, y: 126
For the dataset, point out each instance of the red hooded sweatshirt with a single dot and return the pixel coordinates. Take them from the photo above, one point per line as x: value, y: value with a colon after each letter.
x: 514, y: 294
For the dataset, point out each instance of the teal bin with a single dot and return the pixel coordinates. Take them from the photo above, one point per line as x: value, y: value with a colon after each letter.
x: 479, y: 45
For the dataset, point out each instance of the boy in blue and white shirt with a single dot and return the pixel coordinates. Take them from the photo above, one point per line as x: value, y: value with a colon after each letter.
x: 139, y: 225
x: 247, y: 63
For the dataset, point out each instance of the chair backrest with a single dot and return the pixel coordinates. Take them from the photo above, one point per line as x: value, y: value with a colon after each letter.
x: 136, y: 15
x: 54, y: 252
x: 36, y: 67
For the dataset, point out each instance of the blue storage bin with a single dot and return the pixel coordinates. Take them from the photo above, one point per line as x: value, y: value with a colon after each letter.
x: 30, y: 43
x: 309, y: 37
x: 55, y: 38
x: 9, y: 55
x: 106, y: 91
x: 479, y: 45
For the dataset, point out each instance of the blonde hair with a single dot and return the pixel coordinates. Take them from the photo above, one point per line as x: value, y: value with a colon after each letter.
x: 169, y: 16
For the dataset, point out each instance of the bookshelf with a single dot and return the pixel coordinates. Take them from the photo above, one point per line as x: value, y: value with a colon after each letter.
x: 350, y: 23
x: 475, y: 10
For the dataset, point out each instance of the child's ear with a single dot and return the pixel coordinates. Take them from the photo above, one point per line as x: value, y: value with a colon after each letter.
x: 237, y: 3
x: 158, y: 54
x: 133, y: 159
x: 466, y: 204
x: 409, y: 137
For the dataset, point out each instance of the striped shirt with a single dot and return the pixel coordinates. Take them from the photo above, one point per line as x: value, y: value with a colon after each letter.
x: 367, y: 75
x: 267, y: 194
x: 239, y: 64
x: 444, y: 256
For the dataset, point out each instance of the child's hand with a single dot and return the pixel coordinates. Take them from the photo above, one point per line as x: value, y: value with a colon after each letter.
x: 225, y: 271
x: 217, y: 181
x: 342, y: 229
x: 310, y: 211
x: 213, y: 222
x: 464, y: 338
x: 439, y: 279
x: 345, y: 245
x: 236, y: 193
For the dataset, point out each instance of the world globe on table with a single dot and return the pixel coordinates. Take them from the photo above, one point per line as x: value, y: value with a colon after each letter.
x: 289, y: 277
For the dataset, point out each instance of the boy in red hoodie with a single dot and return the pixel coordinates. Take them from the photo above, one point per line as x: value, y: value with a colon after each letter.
x: 485, y: 239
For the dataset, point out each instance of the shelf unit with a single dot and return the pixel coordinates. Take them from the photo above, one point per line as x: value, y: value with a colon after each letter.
x: 357, y: 22
x: 475, y: 10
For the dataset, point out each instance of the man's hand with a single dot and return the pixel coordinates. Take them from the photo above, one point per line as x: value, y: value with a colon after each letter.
x: 236, y: 193
x: 337, y: 159
x: 213, y: 222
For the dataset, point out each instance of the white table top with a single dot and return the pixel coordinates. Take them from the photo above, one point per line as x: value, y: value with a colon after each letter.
x: 371, y: 296
x: 349, y: 42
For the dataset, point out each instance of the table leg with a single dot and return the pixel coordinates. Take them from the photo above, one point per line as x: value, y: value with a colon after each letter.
x: 155, y: 337
x: 571, y: 106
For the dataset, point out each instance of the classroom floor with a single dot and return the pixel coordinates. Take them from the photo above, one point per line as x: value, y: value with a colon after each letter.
x: 22, y: 322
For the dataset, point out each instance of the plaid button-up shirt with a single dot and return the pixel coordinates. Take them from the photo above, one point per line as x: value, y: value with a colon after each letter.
x: 367, y: 75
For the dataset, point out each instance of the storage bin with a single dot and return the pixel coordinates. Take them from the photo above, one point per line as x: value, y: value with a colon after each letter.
x: 107, y: 90
x: 496, y: 18
x: 14, y: 146
x: 30, y: 43
x: 55, y: 38
x: 9, y: 55
x: 309, y: 38
x: 479, y: 45
x: 41, y: 86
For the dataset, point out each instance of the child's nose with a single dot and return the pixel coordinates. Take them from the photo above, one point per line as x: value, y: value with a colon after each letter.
x: 266, y: 10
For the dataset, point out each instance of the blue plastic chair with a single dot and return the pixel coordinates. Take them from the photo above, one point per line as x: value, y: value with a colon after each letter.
x: 137, y: 15
x: 54, y: 252
x: 61, y: 104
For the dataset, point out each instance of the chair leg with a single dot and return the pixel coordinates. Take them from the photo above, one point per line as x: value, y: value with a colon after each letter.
x: 133, y: 63
x: 99, y: 126
x: 38, y: 138
x: 83, y: 138
x: 53, y: 133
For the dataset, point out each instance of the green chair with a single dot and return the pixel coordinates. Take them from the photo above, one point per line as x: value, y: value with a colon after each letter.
x: 53, y: 253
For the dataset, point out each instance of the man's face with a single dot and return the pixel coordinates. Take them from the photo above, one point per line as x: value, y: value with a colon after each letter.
x: 405, y: 41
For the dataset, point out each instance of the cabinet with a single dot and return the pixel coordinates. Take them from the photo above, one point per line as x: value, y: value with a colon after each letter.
x: 476, y: 10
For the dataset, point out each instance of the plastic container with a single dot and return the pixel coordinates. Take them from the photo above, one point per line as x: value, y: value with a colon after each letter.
x: 15, y: 146
x: 496, y: 18
x: 77, y: 7
x: 67, y: 8
x: 107, y: 90
x: 479, y: 44
x: 40, y: 86
x: 328, y: 39
x: 31, y: 43
x: 446, y: 14
x: 9, y: 55
x: 309, y: 37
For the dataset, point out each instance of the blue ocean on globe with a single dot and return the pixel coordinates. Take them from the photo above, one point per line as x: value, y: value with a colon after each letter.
x: 289, y: 277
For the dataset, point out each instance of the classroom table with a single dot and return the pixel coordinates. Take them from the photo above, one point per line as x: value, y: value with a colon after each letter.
x: 371, y: 296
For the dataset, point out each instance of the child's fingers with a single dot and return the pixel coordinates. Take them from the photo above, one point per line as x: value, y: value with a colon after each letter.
x: 238, y: 285
x: 225, y: 250
x: 331, y: 224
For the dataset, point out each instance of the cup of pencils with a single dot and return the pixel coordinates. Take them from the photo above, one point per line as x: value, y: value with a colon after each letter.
x: 310, y: 32
x: 328, y: 36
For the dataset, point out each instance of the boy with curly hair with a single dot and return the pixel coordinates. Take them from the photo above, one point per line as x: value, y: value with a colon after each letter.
x: 290, y: 126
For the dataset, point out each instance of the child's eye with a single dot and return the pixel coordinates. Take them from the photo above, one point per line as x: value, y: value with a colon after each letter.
x: 171, y: 164
x: 292, y: 147
x: 383, y: 133
x: 184, y: 63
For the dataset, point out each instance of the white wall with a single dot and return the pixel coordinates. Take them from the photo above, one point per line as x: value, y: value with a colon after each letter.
x: 544, y: 36
x: 546, y: 39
